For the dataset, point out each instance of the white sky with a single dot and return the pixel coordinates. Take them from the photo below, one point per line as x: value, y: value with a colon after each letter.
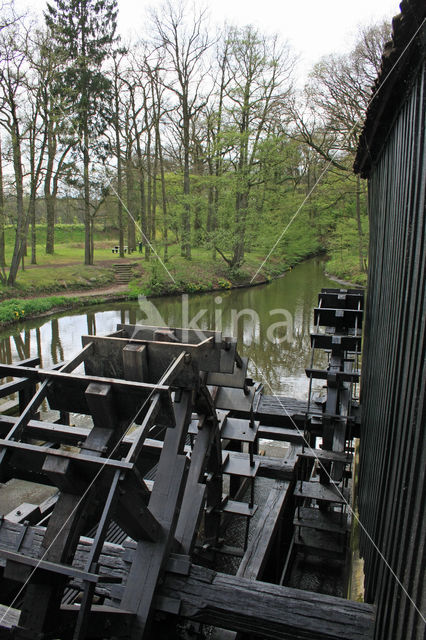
x: 313, y: 27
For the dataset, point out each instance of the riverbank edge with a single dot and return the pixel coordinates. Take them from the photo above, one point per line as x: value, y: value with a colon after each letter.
x: 94, y: 298
x: 75, y: 300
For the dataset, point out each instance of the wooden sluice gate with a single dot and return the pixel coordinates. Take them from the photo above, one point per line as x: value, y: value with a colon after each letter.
x: 128, y: 545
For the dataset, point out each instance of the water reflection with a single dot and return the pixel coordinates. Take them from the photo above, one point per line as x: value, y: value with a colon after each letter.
x: 245, y: 313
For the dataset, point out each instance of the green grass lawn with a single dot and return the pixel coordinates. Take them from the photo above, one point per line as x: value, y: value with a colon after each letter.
x: 64, y: 271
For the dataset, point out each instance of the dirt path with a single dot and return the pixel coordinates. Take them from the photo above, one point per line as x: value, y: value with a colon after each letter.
x: 111, y: 290
x: 99, y: 263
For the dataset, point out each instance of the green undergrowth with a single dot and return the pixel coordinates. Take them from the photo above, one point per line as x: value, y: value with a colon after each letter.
x: 347, y: 270
x: 14, y: 309
x: 57, y: 279
x: 201, y: 273
x: 343, y: 251
x: 151, y: 277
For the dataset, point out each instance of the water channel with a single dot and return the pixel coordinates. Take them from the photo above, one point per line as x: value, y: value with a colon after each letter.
x: 272, y: 323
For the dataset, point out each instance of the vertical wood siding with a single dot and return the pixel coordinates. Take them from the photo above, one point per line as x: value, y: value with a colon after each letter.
x: 393, y: 458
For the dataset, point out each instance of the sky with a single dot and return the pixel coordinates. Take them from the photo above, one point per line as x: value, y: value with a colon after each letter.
x: 314, y: 28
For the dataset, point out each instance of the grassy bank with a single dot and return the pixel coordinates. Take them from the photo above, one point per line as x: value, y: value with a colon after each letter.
x: 14, y: 310
x: 60, y: 281
x: 343, y: 251
x: 74, y: 283
x: 347, y: 270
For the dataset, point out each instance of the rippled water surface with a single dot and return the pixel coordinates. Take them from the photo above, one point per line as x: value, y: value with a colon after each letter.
x: 278, y: 354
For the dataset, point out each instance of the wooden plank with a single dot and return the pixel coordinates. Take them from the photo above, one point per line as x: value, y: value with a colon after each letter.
x: 107, y: 358
x: 133, y: 514
x: 333, y: 376
x: 267, y: 610
x: 267, y: 467
x: 281, y: 434
x: 338, y: 317
x: 328, y: 544
x: 89, y: 463
x: 236, y: 379
x: 188, y: 336
x: 193, y: 499
x: 336, y: 342
x: 18, y: 559
x: 227, y: 346
x: 13, y: 387
x: 239, y: 465
x: 67, y: 391
x: 239, y: 508
x: 234, y: 399
x: 325, y: 455
x: 321, y: 520
x: 322, y: 492
x: 341, y: 300
x: 239, y: 429
x: 282, y: 411
x: 149, y: 558
x: 262, y: 540
x: 135, y: 362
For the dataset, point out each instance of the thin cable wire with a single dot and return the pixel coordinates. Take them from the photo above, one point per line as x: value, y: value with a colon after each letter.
x: 333, y: 155
x: 352, y: 512
x: 90, y: 486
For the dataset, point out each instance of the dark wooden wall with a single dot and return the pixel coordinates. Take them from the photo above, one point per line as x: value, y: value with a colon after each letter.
x: 393, y: 459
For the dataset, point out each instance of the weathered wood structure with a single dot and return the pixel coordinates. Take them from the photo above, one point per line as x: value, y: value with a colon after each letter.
x: 128, y: 546
x: 392, y: 155
x: 172, y: 453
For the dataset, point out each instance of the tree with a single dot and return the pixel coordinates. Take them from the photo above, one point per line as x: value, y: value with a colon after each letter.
x: 330, y: 118
x: 55, y: 109
x: 261, y: 72
x: 184, y: 45
x: 84, y: 30
x: 13, y: 73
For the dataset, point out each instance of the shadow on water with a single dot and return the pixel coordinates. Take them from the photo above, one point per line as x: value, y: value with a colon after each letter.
x: 272, y: 323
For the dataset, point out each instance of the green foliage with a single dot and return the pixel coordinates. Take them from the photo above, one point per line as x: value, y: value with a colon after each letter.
x: 343, y: 251
x: 83, y: 32
x: 14, y: 310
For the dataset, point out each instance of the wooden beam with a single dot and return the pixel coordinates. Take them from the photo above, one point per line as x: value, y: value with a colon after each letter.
x: 149, y: 558
x: 256, y: 557
x: 107, y: 358
x: 67, y: 391
x: 267, y: 610
x: 229, y: 602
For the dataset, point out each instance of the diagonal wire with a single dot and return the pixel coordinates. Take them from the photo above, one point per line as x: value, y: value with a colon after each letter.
x: 84, y: 495
x: 349, y: 507
x: 333, y: 155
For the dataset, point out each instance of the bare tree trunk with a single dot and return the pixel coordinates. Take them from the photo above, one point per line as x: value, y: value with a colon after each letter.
x: 119, y: 169
x: 149, y: 188
x: 88, y: 254
x: 130, y: 188
x: 21, y: 226
x: 50, y: 205
x: 241, y: 206
x: 32, y: 214
x: 2, y: 222
x: 186, y: 212
x: 153, y: 224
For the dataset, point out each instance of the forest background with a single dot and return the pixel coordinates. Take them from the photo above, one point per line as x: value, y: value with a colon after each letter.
x: 196, y: 147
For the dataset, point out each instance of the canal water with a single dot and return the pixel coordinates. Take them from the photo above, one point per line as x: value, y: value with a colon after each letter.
x: 272, y: 323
